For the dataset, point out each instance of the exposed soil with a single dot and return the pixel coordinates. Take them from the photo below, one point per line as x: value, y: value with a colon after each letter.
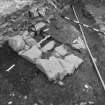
x: 26, y: 85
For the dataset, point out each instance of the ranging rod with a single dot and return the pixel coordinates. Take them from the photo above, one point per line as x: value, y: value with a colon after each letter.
x: 92, y: 58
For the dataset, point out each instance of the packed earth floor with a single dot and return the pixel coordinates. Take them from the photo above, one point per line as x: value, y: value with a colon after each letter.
x: 26, y: 85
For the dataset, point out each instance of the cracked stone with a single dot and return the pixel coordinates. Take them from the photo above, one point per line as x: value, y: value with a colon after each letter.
x: 57, y: 68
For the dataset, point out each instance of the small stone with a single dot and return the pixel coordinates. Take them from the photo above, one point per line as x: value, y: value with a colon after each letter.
x: 21, y: 52
x: 33, y: 10
x: 49, y: 46
x: 12, y: 94
x: 25, y: 34
x: 42, y: 11
x: 35, y: 103
x: 26, y: 47
x: 32, y: 34
x: 60, y: 83
x: 102, y: 28
x: 86, y: 86
x: 25, y: 97
x: 31, y: 42
x: 83, y: 103
x: 79, y: 43
x: 91, y: 102
x: 10, y: 102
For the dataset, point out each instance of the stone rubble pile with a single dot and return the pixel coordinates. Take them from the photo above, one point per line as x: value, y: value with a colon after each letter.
x: 60, y: 62
x: 56, y: 67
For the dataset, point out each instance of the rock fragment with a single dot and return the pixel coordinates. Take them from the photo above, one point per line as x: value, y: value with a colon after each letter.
x: 51, y: 67
x: 25, y: 34
x: 79, y: 43
x: 58, y: 68
x: 68, y: 67
x: 61, y: 50
x: 32, y: 54
x: 39, y: 26
x: 49, y: 46
x: 16, y: 43
x: 42, y: 11
x: 72, y: 59
x: 102, y: 28
x: 31, y: 42
x: 33, y: 10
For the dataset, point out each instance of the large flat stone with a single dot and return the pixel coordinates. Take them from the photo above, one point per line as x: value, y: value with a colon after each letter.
x: 69, y: 68
x: 74, y: 60
x: 61, y: 50
x: 32, y: 54
x: 51, y: 67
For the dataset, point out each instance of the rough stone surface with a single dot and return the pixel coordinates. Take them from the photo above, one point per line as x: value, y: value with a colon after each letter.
x: 31, y: 42
x: 48, y: 46
x: 39, y: 25
x: 51, y: 68
x: 68, y: 67
x: 32, y: 54
x: 61, y: 50
x: 73, y: 59
x: 16, y: 43
x: 79, y: 43
x: 57, y: 68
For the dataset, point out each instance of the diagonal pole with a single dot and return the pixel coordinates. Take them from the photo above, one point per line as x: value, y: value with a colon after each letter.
x: 92, y: 58
x: 11, y: 67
